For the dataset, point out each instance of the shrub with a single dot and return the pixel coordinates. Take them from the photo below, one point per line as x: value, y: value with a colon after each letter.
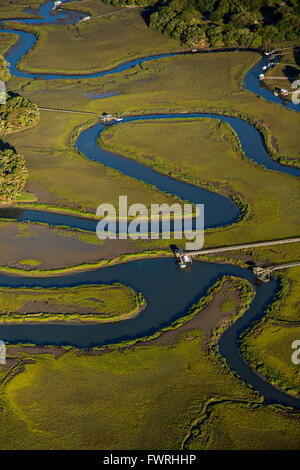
x: 13, y: 174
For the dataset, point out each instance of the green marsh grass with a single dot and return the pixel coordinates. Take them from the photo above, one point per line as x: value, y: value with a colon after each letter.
x: 267, y: 346
x: 125, y: 33
x: 158, y: 389
x: 206, y: 152
x: 85, y: 303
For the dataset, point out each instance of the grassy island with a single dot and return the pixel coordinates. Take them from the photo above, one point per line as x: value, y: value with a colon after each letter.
x: 98, y: 303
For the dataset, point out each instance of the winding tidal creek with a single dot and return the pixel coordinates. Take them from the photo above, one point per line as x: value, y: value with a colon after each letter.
x: 169, y: 292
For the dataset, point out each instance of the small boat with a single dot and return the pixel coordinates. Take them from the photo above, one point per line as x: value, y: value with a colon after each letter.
x: 85, y: 18
x: 119, y: 119
x: 56, y: 4
x: 284, y: 92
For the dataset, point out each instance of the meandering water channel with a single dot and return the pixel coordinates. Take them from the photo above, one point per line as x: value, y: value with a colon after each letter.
x: 169, y: 291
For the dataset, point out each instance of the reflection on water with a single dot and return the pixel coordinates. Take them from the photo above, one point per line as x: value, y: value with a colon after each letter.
x: 169, y: 292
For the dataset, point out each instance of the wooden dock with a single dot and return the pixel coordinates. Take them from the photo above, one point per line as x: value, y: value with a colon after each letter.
x: 242, y: 247
x: 263, y: 273
x: 106, y: 119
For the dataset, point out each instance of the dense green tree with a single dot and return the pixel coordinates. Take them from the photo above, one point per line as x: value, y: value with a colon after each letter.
x: 194, y: 36
x: 244, y: 19
x: 17, y: 113
x: 130, y: 2
x: 296, y: 6
x: 206, y: 7
x: 271, y: 33
x: 13, y: 174
x: 228, y: 22
x: 215, y: 36
x: 222, y: 9
x: 256, y: 40
x: 230, y: 37
x: 4, y: 72
x: 289, y: 26
x: 160, y: 19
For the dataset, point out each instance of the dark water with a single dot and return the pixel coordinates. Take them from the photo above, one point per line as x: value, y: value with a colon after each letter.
x: 27, y: 40
x: 169, y: 292
x: 218, y: 209
x: 253, y: 84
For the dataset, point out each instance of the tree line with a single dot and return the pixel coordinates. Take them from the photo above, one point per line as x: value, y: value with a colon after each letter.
x: 219, y: 23
x: 16, y: 114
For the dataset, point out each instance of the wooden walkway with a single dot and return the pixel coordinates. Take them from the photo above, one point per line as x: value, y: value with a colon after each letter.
x: 58, y: 110
x: 242, y: 247
x: 263, y: 273
x: 127, y: 7
x: 276, y: 78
